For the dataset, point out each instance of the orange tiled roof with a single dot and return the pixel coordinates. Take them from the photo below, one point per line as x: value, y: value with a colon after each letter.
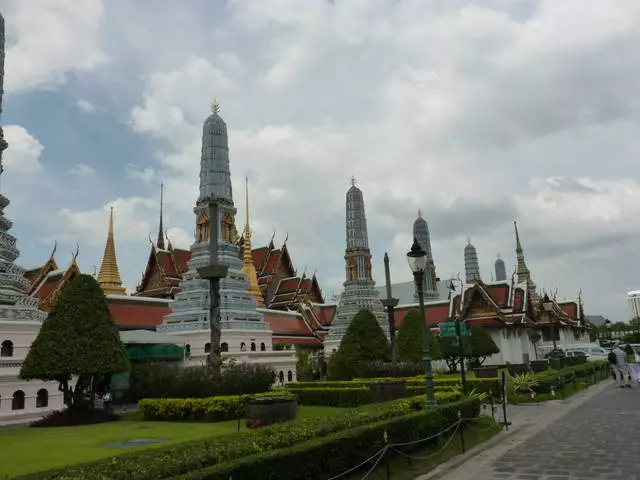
x: 48, y: 285
x: 434, y: 313
x: 297, y: 340
x: 286, y: 324
x: 131, y: 311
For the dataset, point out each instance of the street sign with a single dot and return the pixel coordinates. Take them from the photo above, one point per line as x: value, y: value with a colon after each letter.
x: 448, y: 329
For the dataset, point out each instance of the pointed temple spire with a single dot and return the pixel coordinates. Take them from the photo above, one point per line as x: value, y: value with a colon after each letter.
x: 522, y: 271
x: 215, y: 176
x: 359, y: 286
x: 248, y: 267
x: 471, y: 264
x: 109, y: 276
x: 15, y: 302
x: 160, y: 242
x: 421, y: 234
x: 501, y: 270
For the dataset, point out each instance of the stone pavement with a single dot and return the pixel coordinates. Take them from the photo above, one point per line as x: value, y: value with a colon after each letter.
x: 595, y: 438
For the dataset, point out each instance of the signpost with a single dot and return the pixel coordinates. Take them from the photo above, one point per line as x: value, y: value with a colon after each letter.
x: 457, y: 330
x: 448, y: 329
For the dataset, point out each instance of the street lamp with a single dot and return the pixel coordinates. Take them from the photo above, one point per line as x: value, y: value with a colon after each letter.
x: 548, y: 307
x: 417, y: 259
x: 390, y: 303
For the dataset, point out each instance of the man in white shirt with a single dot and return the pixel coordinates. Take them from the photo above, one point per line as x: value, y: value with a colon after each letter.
x: 621, y: 365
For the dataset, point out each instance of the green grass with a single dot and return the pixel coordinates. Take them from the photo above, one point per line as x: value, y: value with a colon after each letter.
x: 426, y: 459
x: 27, y: 450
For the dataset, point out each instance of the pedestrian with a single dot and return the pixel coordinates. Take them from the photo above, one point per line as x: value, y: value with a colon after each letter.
x: 621, y: 365
x: 613, y: 360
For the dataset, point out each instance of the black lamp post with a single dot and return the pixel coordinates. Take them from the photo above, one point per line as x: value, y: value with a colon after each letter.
x: 417, y: 259
x: 390, y: 304
x: 214, y: 272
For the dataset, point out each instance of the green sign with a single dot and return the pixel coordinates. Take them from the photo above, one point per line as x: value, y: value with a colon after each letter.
x: 448, y: 329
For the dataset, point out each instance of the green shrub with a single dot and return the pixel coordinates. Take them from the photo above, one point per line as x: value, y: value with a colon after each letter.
x: 172, y: 460
x: 388, y: 369
x: 320, y: 458
x: 410, y: 339
x: 214, y: 409
x: 353, y: 397
x: 166, y: 380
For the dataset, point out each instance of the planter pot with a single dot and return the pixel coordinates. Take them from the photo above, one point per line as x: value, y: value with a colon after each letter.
x: 487, y: 372
x: 539, y: 365
x: 387, y: 391
x: 262, y: 412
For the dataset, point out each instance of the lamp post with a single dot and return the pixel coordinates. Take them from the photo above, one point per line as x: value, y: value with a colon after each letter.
x: 417, y: 259
x: 390, y: 304
x: 213, y: 272
x: 463, y: 374
x: 548, y: 307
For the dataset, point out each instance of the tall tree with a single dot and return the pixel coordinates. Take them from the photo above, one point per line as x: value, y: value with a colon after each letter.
x: 78, y: 338
x: 482, y: 345
x: 409, y: 341
x: 364, y: 341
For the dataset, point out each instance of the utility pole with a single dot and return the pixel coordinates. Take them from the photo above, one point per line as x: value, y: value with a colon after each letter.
x: 390, y: 304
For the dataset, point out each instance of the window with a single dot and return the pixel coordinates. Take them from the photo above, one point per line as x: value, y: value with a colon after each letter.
x: 42, y: 398
x: 243, y: 347
x: 187, y: 349
x: 281, y: 376
x: 207, y: 347
x: 17, y: 403
x: 253, y: 346
x: 7, y: 349
x: 289, y: 376
x: 262, y: 347
x: 224, y: 347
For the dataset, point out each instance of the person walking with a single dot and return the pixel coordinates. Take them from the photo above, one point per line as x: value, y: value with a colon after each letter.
x: 621, y: 365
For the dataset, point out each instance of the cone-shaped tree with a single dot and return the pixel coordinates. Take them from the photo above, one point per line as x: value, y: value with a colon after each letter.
x: 364, y: 341
x: 410, y: 339
x: 78, y: 338
x: 482, y: 345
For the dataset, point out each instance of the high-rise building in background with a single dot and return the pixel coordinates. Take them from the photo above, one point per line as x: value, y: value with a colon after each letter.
x: 421, y: 233
x: 501, y: 270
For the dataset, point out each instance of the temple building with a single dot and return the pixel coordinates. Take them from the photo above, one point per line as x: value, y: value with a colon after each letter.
x: 20, y: 316
x: 501, y: 270
x: 359, y: 287
x: 421, y: 234
x: 471, y: 265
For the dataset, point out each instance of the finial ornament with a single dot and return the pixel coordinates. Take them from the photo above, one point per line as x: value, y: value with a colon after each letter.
x: 215, y: 107
x: 353, y: 181
x: 75, y: 254
x: 419, y: 213
x: 498, y: 255
x: 469, y: 240
x: 55, y: 247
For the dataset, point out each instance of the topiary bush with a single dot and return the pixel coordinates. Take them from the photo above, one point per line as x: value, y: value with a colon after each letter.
x: 388, y: 369
x: 410, y: 339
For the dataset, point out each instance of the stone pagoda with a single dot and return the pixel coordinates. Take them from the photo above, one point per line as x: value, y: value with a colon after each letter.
x: 359, y: 288
x: 430, y: 282
x: 471, y: 265
x: 243, y: 327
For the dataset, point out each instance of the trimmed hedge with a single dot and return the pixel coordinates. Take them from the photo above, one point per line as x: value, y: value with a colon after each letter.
x: 353, y: 397
x: 320, y: 458
x: 213, y: 409
x: 172, y: 460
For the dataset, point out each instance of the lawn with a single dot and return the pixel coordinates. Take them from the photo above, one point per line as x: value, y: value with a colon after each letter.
x: 26, y: 450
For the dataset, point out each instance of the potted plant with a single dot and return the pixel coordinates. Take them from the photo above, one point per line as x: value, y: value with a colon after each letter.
x: 270, y: 408
x: 524, y: 383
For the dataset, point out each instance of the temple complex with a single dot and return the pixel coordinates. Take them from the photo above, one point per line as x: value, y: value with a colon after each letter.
x: 359, y: 287
x: 429, y: 282
x: 20, y: 315
x: 471, y: 265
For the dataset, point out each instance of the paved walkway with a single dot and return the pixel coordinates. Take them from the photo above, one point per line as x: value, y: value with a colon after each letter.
x: 594, y: 438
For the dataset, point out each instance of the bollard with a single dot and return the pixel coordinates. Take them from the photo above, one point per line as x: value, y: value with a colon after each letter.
x: 387, y: 465
x: 461, y: 427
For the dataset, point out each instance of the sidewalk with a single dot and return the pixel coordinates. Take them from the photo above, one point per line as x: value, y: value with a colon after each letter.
x: 527, y: 421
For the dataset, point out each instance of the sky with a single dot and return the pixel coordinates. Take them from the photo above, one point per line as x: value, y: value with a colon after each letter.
x: 478, y: 113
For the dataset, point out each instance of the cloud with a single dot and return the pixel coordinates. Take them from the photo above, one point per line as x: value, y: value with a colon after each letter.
x: 85, y: 106
x: 145, y: 175
x: 82, y: 170
x: 43, y: 45
x: 23, y: 154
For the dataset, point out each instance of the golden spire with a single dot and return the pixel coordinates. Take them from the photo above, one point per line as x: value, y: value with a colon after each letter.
x: 109, y: 276
x: 248, y: 267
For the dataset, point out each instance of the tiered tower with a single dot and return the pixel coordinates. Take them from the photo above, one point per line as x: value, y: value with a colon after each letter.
x: 501, y: 270
x: 15, y: 303
x: 471, y: 265
x: 248, y: 268
x: 109, y: 276
x: 430, y: 283
x: 522, y: 271
x: 190, y: 310
x: 359, y: 287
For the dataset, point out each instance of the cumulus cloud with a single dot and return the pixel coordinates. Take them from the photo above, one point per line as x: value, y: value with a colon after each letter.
x: 82, y: 170
x: 478, y: 113
x: 47, y: 42
x: 23, y: 154
x: 85, y: 106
